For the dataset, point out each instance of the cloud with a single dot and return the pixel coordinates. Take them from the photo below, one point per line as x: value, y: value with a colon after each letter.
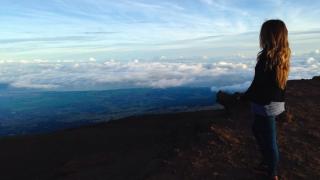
x: 45, y: 39
x: 232, y: 88
x: 30, y: 85
x: 209, y: 2
x: 92, y: 74
x: 305, y: 67
x: 100, y: 32
x: 74, y: 29
x: 305, y: 32
x: 311, y: 60
x: 231, y: 75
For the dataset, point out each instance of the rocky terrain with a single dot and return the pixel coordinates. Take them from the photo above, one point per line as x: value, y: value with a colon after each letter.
x: 209, y: 144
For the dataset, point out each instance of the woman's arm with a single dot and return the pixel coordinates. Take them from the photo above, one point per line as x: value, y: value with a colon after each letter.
x: 246, y: 95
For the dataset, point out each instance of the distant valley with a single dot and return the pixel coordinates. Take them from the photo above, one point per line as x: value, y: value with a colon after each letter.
x: 31, y: 112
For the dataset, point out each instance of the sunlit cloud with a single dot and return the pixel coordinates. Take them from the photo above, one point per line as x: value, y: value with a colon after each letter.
x: 230, y: 74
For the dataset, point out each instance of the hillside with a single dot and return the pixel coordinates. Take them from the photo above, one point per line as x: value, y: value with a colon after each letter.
x: 209, y: 144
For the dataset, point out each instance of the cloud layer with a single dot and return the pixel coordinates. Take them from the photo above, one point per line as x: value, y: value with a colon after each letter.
x: 97, y: 75
x: 112, y: 74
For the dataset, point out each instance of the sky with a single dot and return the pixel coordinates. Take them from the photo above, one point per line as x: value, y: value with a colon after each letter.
x: 114, y: 44
x: 147, y: 29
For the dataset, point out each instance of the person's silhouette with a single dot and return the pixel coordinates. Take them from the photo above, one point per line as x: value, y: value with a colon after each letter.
x: 267, y: 90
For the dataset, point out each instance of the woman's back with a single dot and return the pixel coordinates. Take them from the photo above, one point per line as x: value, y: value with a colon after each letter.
x: 264, y: 88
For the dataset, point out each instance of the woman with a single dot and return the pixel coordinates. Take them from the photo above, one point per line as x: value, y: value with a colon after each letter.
x: 267, y: 90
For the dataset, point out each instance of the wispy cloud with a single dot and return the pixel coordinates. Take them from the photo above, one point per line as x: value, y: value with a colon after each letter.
x: 143, y: 22
x: 46, y: 39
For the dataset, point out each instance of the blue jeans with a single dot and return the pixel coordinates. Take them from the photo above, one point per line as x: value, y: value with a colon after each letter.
x: 264, y: 130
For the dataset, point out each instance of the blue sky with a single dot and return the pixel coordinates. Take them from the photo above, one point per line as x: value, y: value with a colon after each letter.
x: 148, y: 29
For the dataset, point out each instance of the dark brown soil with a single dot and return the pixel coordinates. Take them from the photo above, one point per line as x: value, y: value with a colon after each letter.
x: 199, y: 145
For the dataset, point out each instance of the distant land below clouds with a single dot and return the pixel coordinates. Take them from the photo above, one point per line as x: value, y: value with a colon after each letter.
x: 23, y: 112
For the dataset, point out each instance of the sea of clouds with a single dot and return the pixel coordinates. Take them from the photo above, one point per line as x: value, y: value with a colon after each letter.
x: 229, y: 74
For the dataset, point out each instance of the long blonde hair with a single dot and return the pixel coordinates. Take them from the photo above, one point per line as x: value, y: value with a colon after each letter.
x: 275, y: 49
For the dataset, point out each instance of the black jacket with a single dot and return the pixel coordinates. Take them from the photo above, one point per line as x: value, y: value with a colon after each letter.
x: 264, y: 87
